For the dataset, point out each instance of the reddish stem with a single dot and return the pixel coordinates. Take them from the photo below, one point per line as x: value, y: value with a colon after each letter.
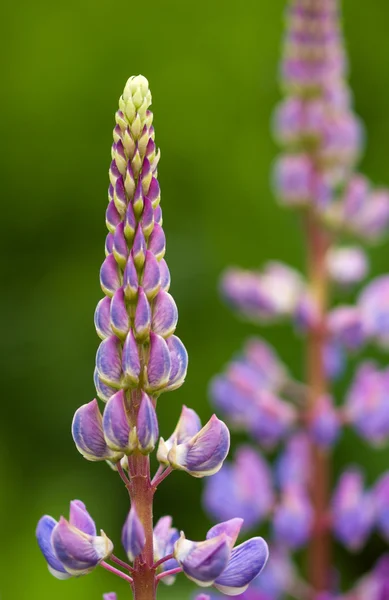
x: 162, y: 560
x: 121, y: 563
x: 112, y: 569
x: 320, y: 548
x: 159, y: 478
x: 167, y: 573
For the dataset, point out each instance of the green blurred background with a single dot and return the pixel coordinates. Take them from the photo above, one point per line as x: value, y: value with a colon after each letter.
x: 212, y: 66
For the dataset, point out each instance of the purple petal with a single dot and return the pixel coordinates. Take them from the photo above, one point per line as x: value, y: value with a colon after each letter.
x: 179, y: 363
x: 151, y: 281
x: 130, y: 223
x: 120, y: 196
x: 246, y: 562
x: 129, y: 181
x: 205, y: 453
x: 165, y: 314
x: 157, y: 242
x: 147, y: 218
x: 104, y: 391
x: 139, y: 248
x: 112, y: 217
x: 116, y: 424
x: 110, y: 596
x: 120, y: 321
x: 154, y: 193
x: 120, y: 249
x: 138, y: 201
x: 130, y: 279
x: 133, y: 535
x: 142, y: 321
x: 87, y: 432
x: 102, y: 318
x: 109, y: 240
x: 43, y: 534
x: 203, y: 562
x: 230, y: 528
x: 158, y: 215
x: 165, y: 275
x: 108, y: 361
x: 147, y: 425
x: 78, y: 552
x: 110, y: 276
x: 131, y: 362
x: 158, y: 368
x: 80, y: 518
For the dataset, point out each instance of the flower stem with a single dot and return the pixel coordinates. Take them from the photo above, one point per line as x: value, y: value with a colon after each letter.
x: 141, y: 493
x: 320, y: 548
x: 115, y: 571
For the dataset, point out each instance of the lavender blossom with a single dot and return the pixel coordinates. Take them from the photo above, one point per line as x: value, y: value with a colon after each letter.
x: 374, y: 306
x: 347, y: 265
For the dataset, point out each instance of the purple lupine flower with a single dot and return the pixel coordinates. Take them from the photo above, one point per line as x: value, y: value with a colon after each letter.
x: 367, y: 403
x: 110, y: 596
x: 293, y: 518
x: 88, y: 434
x: 293, y: 467
x: 204, y: 453
x: 230, y: 492
x: 278, y: 577
x: 188, y: 425
x: 352, y: 510
x: 165, y: 536
x: 374, y: 306
x: 217, y: 562
x: 133, y: 535
x: 347, y: 265
x: 325, y: 422
x: 147, y: 425
x: 247, y: 394
x: 72, y: 548
x: 346, y: 326
x: 265, y: 295
x: 381, y: 502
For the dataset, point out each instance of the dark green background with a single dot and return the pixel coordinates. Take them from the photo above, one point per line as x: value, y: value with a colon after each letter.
x: 212, y: 68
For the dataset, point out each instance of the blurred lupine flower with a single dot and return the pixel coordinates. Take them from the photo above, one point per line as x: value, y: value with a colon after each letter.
x: 110, y: 596
x: 230, y: 492
x: 293, y: 518
x: 204, y: 453
x: 374, y: 585
x: 133, y: 535
x: 346, y: 327
x: 347, y: 265
x: 374, y: 306
x: 306, y: 315
x: 381, y: 502
x: 165, y: 536
x: 367, y: 403
x: 203, y: 597
x: 247, y: 394
x: 266, y: 295
x: 352, y: 510
x: 334, y: 360
x: 325, y: 422
x: 72, y: 548
x: 278, y: 577
x: 217, y: 562
x: 296, y: 182
x: 293, y: 467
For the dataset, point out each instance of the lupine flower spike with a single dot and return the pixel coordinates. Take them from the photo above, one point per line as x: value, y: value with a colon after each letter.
x: 340, y: 211
x: 139, y: 359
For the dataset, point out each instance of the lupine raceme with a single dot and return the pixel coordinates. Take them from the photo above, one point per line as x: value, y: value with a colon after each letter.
x: 139, y: 359
x: 285, y: 476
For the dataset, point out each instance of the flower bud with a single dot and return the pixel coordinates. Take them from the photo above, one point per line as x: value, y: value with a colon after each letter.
x: 346, y: 326
x: 110, y: 596
x: 374, y: 306
x: 151, y: 281
x: 347, y: 265
x: 120, y: 248
x: 133, y: 535
x: 88, y: 435
x: 120, y: 322
x: 110, y: 276
x: 142, y: 321
x: 130, y: 280
x: 325, y: 423
x: 108, y: 361
x: 205, y: 452
x: 165, y: 314
x: 352, y: 510
x: 159, y: 364
x: 178, y: 362
x: 130, y: 360
x: 147, y: 425
x: 102, y: 318
x: 164, y: 537
x: 157, y: 242
x: 293, y: 518
x: 116, y: 424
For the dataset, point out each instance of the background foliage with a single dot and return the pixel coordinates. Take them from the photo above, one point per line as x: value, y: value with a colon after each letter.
x: 212, y: 68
